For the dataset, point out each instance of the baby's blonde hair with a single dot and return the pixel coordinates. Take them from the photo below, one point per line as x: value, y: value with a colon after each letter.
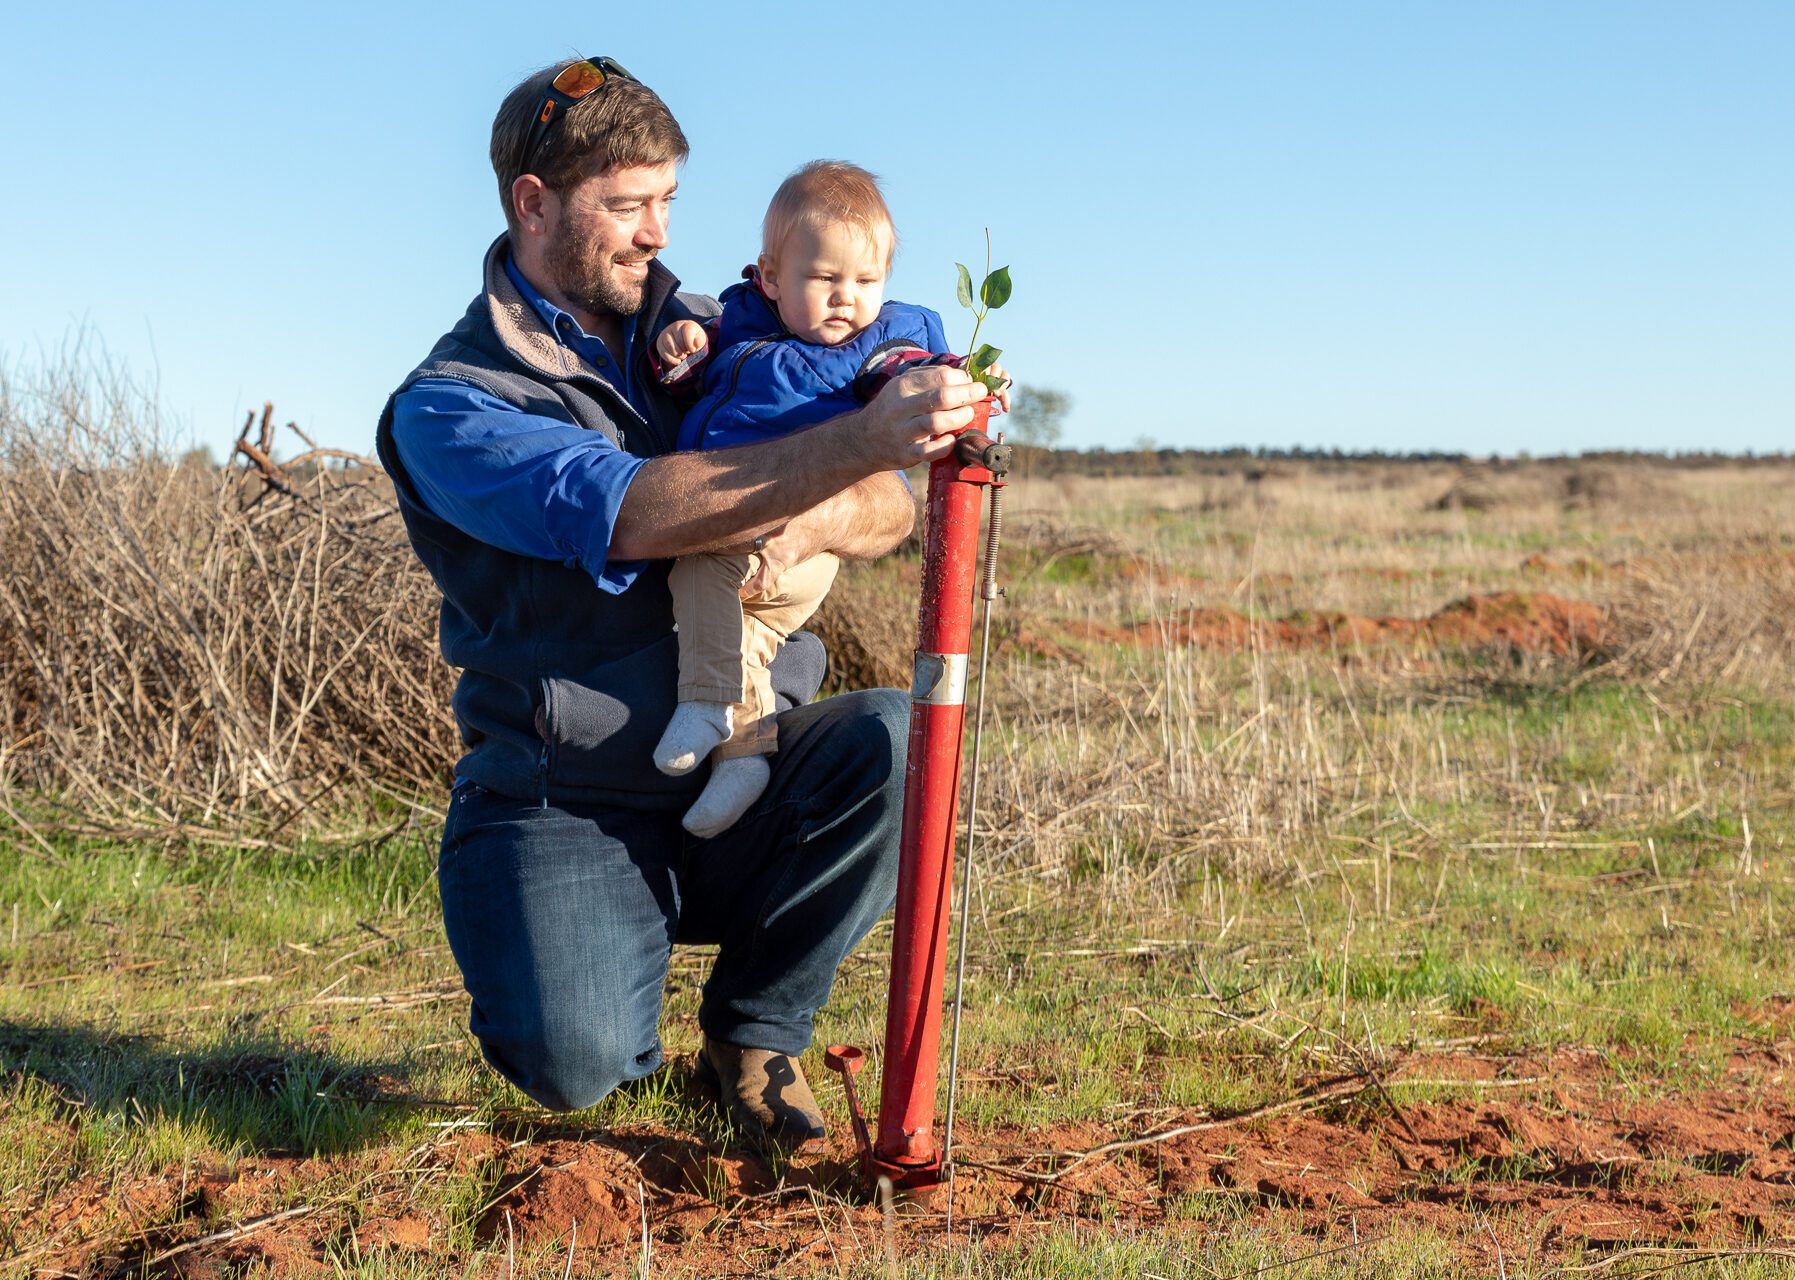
x: 828, y: 191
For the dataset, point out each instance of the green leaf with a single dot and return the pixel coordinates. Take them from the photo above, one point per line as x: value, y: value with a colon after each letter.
x: 964, y: 292
x: 981, y: 360
x: 993, y: 383
x: 996, y: 289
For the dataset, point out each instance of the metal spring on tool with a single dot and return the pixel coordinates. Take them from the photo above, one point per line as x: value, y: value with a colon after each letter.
x: 993, y: 535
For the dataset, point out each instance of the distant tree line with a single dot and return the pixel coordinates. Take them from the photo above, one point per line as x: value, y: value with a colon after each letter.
x: 1037, y: 423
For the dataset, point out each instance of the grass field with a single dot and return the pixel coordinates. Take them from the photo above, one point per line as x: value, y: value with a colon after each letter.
x: 1384, y: 870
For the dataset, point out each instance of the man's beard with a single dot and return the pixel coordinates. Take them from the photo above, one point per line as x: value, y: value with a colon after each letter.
x: 584, y: 274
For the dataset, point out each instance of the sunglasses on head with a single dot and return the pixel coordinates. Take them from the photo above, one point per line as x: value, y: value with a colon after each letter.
x: 576, y: 82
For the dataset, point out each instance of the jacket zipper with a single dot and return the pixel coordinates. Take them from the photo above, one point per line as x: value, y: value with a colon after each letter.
x: 734, y: 374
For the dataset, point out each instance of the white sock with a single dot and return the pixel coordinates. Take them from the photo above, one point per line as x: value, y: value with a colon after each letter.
x: 736, y: 782
x: 694, y: 731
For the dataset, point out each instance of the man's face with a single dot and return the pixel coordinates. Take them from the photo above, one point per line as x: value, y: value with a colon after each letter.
x: 604, y: 234
x: 828, y: 280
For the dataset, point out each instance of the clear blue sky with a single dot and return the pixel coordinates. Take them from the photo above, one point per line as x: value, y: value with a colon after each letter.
x: 1538, y: 226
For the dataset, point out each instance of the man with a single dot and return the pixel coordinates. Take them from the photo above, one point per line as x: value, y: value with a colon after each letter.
x: 532, y: 456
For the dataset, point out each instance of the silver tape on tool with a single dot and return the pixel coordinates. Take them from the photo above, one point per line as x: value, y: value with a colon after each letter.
x: 940, y: 679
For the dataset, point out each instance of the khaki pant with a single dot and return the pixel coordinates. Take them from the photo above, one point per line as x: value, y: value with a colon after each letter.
x: 726, y: 642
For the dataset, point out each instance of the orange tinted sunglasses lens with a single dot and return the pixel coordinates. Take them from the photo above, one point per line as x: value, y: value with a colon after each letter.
x: 579, y: 80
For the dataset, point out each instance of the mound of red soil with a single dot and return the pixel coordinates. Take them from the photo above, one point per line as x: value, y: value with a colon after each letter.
x: 1536, y: 623
x: 567, y: 1192
x: 1530, y: 622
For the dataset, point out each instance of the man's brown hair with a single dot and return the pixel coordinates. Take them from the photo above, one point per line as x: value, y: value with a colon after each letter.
x: 620, y: 126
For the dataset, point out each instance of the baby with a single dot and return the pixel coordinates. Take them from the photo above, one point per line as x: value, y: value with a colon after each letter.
x: 804, y: 339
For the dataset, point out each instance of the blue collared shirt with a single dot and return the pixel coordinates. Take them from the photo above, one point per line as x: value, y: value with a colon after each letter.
x: 568, y: 333
x: 528, y: 484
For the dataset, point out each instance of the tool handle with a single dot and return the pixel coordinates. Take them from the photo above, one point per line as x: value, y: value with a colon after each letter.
x: 975, y: 449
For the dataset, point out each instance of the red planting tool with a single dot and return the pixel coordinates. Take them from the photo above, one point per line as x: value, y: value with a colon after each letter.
x: 904, y: 1149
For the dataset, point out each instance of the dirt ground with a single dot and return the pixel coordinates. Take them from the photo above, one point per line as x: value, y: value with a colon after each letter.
x: 1532, y: 1156
x: 1530, y: 622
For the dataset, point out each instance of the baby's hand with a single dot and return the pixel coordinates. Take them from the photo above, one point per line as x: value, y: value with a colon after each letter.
x: 680, y: 346
x: 1002, y: 394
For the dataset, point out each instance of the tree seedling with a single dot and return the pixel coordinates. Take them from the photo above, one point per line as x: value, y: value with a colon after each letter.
x: 994, y: 291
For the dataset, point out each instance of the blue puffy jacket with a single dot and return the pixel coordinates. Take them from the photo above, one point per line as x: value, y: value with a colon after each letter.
x: 763, y: 381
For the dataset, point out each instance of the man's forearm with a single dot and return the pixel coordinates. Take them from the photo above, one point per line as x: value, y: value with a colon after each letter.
x: 862, y: 522
x: 684, y: 503
x: 865, y: 520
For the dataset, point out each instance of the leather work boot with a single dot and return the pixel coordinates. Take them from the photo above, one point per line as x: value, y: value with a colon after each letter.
x: 764, y: 1092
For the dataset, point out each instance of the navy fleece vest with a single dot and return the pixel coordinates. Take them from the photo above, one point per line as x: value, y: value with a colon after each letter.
x: 564, y: 688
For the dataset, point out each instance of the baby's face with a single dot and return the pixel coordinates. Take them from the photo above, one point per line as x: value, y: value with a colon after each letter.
x: 828, y: 280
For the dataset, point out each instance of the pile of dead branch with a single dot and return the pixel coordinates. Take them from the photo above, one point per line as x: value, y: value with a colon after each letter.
x: 188, y: 646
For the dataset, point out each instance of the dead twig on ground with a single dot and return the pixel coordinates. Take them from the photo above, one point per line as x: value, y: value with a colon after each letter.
x: 1329, y: 1092
x: 233, y: 1233
x: 1319, y: 1096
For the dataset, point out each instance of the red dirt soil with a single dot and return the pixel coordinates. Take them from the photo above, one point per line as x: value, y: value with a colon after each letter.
x: 1529, y: 622
x: 1536, y: 1154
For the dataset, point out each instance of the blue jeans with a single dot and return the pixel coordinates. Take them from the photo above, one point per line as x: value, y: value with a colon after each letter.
x: 562, y: 917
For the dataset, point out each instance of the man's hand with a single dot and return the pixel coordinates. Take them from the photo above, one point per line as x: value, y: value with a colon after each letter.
x: 784, y: 547
x: 915, y: 416
x: 678, y: 346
